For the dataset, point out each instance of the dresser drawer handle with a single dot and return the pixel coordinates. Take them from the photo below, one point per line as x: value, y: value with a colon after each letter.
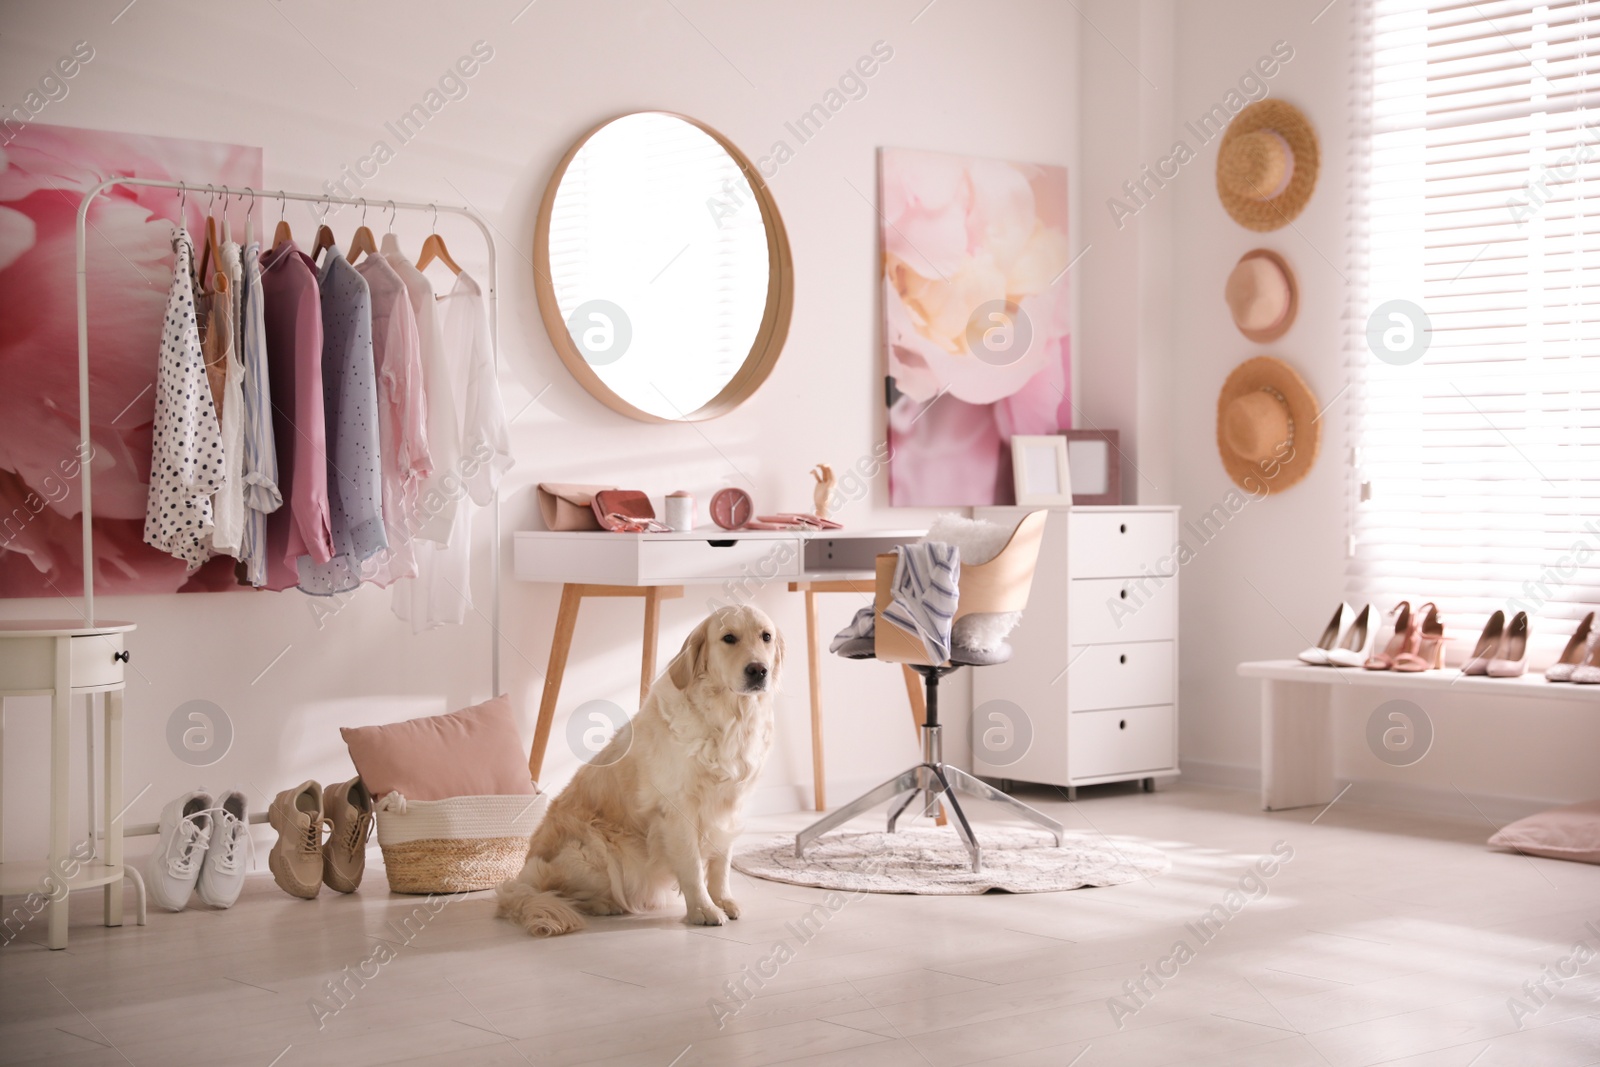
x: 1123, y: 594
x: 1122, y: 658
x: 1123, y: 528
x: 121, y: 657
x: 1122, y: 724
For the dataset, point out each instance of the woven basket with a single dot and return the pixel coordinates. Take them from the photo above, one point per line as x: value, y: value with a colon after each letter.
x: 456, y: 845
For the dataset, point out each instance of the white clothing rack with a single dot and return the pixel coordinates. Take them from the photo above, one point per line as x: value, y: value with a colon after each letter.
x: 254, y: 194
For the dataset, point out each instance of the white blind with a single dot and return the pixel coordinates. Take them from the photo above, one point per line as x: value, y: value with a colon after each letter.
x: 1475, y: 195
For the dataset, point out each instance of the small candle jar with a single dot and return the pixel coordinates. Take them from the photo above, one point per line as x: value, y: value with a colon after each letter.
x: 680, y: 510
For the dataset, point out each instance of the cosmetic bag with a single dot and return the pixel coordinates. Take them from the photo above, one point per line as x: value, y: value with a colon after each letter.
x: 569, y: 507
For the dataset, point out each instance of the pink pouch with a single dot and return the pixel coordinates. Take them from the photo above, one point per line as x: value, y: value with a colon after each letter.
x: 626, y: 511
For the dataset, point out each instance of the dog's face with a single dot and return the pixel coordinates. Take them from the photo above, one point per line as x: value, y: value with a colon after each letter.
x: 738, y: 649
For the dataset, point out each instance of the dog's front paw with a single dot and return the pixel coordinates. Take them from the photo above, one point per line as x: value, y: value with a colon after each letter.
x: 705, y: 915
x: 730, y: 906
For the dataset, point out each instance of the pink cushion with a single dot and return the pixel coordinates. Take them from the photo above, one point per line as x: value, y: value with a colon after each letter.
x: 472, y: 752
x: 1569, y: 833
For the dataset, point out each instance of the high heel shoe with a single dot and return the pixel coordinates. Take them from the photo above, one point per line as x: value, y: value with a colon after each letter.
x: 1488, y: 645
x: 1403, y: 623
x: 1588, y: 672
x: 1511, y: 660
x: 1358, y: 643
x: 1428, y: 646
x: 1317, y: 655
x: 1575, y: 654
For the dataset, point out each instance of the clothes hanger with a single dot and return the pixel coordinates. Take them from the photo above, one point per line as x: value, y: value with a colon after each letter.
x: 433, y: 248
x: 362, y: 242
x: 219, y: 281
x: 227, y: 229
x: 324, y: 235
x: 181, y: 222
x: 281, y: 235
x: 249, y: 220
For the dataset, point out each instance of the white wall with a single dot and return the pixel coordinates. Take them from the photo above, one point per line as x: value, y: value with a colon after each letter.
x: 996, y: 79
x: 1266, y: 585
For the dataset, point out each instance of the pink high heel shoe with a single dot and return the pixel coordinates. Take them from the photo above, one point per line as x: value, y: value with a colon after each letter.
x: 1426, y: 646
x: 1384, y: 660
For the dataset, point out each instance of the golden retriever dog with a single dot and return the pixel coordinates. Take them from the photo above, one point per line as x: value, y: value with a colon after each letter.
x: 661, y: 804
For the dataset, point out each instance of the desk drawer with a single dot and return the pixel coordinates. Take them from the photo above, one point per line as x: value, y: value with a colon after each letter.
x: 1119, y: 610
x: 717, y: 560
x: 94, y: 660
x: 1120, y: 676
x: 1125, y: 741
x: 1120, y: 544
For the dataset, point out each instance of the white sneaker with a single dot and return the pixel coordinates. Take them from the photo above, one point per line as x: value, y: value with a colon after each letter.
x: 174, y: 867
x: 223, y: 870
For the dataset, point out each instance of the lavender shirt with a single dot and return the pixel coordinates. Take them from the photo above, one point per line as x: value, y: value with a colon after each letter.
x: 292, y: 317
x: 350, y: 407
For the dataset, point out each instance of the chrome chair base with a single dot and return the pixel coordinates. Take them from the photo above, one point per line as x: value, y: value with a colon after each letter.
x: 935, y: 781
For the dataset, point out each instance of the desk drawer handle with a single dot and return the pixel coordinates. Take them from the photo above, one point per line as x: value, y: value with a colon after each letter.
x: 1123, y: 528
x: 1122, y: 658
x: 722, y: 544
x: 1122, y: 724
x: 121, y: 657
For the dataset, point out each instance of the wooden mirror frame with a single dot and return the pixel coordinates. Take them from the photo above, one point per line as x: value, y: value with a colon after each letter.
x: 770, y: 336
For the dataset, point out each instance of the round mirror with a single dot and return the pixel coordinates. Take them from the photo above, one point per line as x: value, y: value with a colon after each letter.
x: 662, y: 268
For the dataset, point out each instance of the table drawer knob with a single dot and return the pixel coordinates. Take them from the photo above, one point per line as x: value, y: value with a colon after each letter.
x: 1122, y: 724
x: 1122, y: 658
x: 122, y: 657
x: 1123, y: 528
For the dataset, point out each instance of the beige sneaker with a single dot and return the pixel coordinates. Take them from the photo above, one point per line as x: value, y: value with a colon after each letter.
x: 296, y: 857
x: 349, y: 813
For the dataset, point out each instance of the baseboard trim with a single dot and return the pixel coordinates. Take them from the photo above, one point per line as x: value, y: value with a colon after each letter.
x: 1483, y: 808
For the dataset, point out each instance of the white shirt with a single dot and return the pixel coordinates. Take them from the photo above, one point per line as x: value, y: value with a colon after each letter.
x: 441, y: 594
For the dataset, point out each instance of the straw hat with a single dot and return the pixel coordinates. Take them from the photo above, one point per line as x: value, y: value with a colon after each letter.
x: 1262, y: 295
x: 1267, y: 429
x: 1267, y: 165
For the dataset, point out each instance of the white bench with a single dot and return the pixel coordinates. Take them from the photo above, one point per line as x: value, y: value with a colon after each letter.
x: 1297, y: 719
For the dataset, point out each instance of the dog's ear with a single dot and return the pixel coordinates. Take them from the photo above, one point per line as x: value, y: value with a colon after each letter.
x: 690, y: 662
x: 777, y: 656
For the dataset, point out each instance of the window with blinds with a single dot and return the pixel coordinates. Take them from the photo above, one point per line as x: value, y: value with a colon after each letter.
x: 1475, y: 182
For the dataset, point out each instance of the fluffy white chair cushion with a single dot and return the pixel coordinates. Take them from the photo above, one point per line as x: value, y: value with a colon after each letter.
x: 979, y: 542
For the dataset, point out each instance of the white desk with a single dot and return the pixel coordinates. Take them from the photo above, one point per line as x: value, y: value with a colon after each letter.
x: 656, y: 567
x: 63, y: 659
x: 1297, y: 717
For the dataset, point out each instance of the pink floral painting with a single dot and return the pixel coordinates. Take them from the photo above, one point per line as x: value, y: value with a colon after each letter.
x: 976, y: 320
x: 44, y: 172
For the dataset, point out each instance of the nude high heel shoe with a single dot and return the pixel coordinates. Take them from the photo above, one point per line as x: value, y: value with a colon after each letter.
x: 1427, y: 645
x: 1358, y: 643
x: 1488, y: 646
x: 1575, y: 654
x: 1317, y: 655
x: 1511, y: 660
x: 1588, y: 673
x: 1397, y: 644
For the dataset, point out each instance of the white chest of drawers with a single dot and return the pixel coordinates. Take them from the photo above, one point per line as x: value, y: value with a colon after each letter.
x: 1091, y: 693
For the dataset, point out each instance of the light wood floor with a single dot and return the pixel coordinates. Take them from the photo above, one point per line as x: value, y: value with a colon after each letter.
x: 1387, y: 939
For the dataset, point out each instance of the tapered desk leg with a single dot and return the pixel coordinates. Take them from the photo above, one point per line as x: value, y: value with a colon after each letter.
x: 560, y: 646
x: 814, y: 671
x: 60, y: 752
x: 652, y: 630
x: 113, y: 800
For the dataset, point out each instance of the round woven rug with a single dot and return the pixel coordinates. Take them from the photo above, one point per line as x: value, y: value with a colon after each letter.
x: 933, y: 862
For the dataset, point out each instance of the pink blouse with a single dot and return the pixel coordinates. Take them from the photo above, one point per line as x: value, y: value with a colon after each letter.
x: 292, y: 309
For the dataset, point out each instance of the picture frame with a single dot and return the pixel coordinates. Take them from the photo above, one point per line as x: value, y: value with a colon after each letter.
x: 1095, y: 462
x: 1039, y: 470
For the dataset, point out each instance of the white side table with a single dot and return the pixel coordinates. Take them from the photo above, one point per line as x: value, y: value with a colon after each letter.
x: 63, y: 659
